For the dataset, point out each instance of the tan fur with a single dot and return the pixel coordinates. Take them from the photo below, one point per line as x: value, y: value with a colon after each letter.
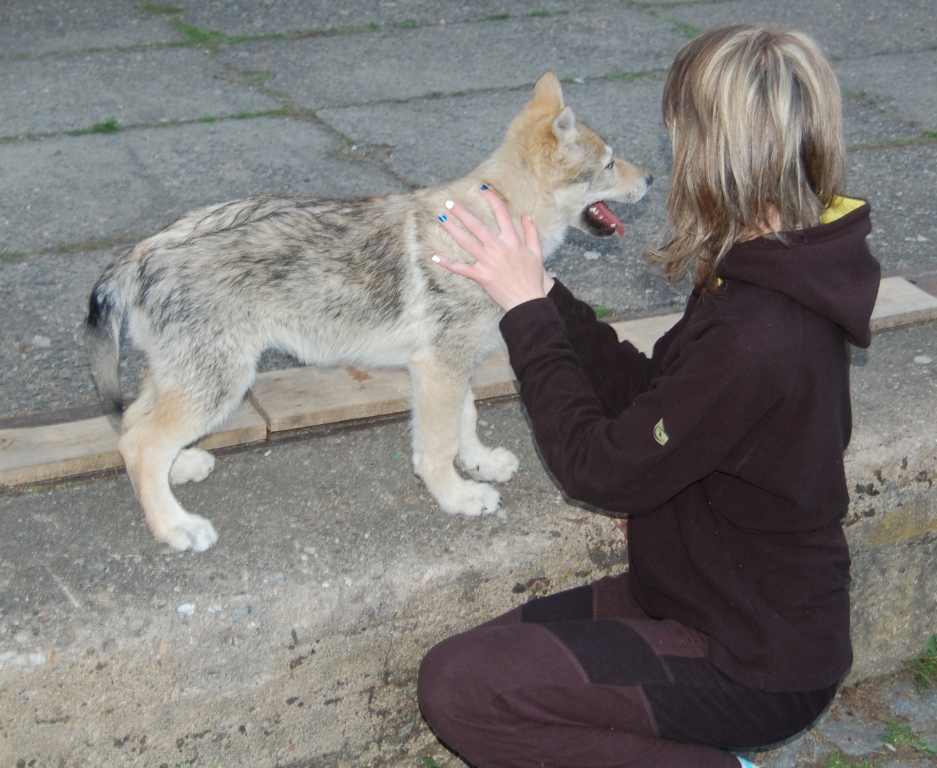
x: 334, y: 282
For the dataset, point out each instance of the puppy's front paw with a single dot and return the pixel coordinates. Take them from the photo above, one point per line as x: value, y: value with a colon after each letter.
x: 472, y: 499
x: 497, y: 465
x: 190, y: 532
x: 192, y: 465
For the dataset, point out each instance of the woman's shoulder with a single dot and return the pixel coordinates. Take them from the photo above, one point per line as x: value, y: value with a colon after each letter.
x: 748, y: 326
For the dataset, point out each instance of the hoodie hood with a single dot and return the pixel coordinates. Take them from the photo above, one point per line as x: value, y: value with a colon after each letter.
x: 828, y: 269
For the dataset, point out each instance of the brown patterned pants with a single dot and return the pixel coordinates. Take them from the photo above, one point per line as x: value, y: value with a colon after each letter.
x: 585, y: 679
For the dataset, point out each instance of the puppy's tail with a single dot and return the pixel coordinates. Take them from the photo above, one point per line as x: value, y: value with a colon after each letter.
x: 107, y: 308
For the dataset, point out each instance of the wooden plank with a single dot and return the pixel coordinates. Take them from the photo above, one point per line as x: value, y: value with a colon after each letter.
x: 901, y: 303
x: 33, y: 454
x: 495, y: 377
x: 303, y: 397
x: 242, y: 427
x: 306, y: 397
x: 645, y: 332
x: 49, y: 452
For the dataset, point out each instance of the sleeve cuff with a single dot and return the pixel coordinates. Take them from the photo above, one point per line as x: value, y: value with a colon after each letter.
x: 526, y: 327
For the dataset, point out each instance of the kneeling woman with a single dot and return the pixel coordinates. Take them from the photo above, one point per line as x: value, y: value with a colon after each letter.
x: 725, y: 448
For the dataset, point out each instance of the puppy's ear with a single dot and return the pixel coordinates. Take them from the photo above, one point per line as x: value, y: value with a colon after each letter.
x: 548, y: 92
x: 564, y: 128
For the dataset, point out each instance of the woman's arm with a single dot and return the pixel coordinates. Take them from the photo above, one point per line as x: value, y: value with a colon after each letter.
x: 510, y: 269
x: 717, y: 387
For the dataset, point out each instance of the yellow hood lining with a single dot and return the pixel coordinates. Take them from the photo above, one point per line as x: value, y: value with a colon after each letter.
x: 839, y: 208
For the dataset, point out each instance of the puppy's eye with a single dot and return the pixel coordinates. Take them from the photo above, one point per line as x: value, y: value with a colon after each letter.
x: 611, y: 164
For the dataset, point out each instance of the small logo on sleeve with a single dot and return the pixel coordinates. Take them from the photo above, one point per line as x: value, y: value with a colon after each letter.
x: 660, y: 435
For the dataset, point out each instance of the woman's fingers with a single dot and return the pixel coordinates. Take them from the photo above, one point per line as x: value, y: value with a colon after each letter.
x: 531, y: 235
x: 468, y: 220
x: 460, y: 268
x: 467, y: 241
x: 502, y: 215
x: 508, y: 265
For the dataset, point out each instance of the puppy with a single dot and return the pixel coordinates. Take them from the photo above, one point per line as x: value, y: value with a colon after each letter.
x: 336, y: 282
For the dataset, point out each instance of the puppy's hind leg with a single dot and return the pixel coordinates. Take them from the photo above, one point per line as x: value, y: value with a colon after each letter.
x: 163, y: 425
x: 438, y: 394
x: 482, y: 463
x: 192, y: 465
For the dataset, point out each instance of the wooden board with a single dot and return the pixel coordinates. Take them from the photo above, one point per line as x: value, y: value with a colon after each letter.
x: 307, y: 397
x: 645, y: 332
x: 33, y: 454
x: 49, y: 452
x: 495, y: 377
x: 304, y: 397
x: 901, y: 303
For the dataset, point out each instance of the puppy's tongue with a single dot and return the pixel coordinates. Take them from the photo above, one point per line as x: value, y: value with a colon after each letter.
x: 601, y: 216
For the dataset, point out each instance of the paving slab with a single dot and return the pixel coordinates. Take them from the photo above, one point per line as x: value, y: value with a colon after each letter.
x: 43, y: 362
x: 868, y: 122
x: 54, y: 26
x: 845, y: 29
x: 874, y: 79
x: 76, y: 189
x: 131, y: 88
x: 458, y: 132
x: 384, y: 65
x: 904, y: 219
x: 892, y: 523
x: 290, y: 16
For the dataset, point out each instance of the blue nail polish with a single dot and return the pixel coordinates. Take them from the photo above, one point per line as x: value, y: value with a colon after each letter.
x: 443, y: 217
x: 484, y: 187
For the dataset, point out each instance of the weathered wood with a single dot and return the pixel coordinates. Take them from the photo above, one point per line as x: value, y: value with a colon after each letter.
x: 303, y: 397
x: 901, y: 303
x: 645, y: 332
x: 307, y: 397
x: 50, y: 452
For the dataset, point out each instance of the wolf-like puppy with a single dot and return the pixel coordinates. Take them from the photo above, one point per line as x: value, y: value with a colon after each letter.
x: 336, y: 282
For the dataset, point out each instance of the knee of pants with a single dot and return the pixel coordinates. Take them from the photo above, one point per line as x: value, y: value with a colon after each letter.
x: 440, y: 685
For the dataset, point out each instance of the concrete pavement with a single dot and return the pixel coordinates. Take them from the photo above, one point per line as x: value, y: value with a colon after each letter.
x: 295, y: 641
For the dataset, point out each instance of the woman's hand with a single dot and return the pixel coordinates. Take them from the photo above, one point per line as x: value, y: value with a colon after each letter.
x: 509, y: 268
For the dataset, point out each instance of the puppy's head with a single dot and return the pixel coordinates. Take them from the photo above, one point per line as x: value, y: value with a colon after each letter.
x: 573, y: 164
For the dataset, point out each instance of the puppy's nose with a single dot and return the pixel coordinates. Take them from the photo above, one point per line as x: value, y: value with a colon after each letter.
x: 649, y: 179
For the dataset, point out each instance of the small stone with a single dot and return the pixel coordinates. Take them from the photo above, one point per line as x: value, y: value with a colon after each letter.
x: 42, y: 342
x: 136, y: 626
x: 240, y: 613
x: 591, y: 255
x: 923, y: 360
x: 186, y: 609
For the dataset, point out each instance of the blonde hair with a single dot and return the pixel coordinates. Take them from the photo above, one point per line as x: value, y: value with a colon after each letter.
x: 756, y: 125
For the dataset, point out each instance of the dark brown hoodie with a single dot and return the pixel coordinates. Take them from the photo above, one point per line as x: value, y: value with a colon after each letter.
x: 725, y: 447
